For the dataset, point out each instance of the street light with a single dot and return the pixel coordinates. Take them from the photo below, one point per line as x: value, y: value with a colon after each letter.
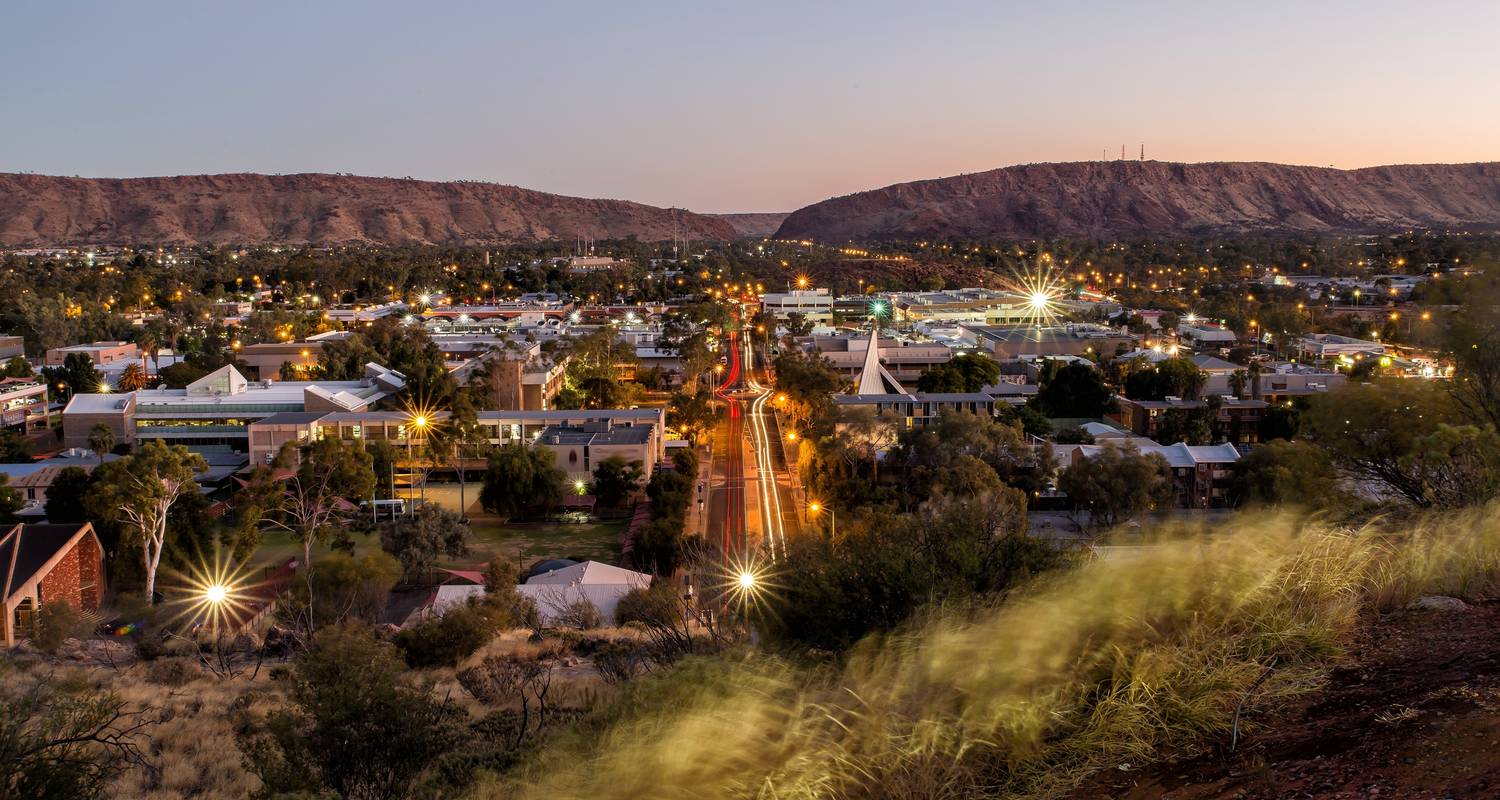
x: 815, y: 508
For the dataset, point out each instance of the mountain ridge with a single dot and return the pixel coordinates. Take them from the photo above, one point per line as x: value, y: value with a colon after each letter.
x: 319, y: 208
x: 1119, y: 199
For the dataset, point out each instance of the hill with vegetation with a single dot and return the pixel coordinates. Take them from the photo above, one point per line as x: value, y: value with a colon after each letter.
x: 1127, y: 199
x: 755, y: 225
x: 312, y: 208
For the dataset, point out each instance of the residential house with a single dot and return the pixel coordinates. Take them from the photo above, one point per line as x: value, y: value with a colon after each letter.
x: 43, y: 564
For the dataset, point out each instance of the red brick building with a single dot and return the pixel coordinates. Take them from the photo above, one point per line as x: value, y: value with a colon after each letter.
x: 47, y: 564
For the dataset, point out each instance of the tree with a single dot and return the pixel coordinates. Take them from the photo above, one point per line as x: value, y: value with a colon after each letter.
x: 798, y: 325
x: 615, y: 480
x: 1073, y: 391
x: 1117, y: 484
x: 1193, y: 426
x: 1472, y: 340
x: 14, y: 449
x: 693, y: 414
x: 1280, y: 473
x: 968, y: 372
x: 141, y: 489
x: 101, y: 440
x: 355, y: 725
x: 133, y: 378
x: 65, y: 740
x: 179, y: 375
x: 520, y: 479
x: 419, y: 539
x: 11, y: 500
x: 66, y: 495
x: 594, y: 367
x: 875, y: 575
x: 809, y: 383
x: 1175, y: 377
x: 18, y: 367
x: 1407, y: 438
x: 77, y: 375
x: 333, y: 476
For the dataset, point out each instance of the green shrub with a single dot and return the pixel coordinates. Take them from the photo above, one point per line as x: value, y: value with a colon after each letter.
x: 56, y: 623
x: 446, y: 640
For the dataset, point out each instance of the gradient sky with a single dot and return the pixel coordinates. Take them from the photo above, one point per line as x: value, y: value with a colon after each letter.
x: 750, y: 106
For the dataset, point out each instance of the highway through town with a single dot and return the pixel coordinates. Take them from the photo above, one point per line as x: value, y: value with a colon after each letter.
x: 750, y: 490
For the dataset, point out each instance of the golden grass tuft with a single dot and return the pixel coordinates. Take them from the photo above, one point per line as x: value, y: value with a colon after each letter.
x: 1111, y: 663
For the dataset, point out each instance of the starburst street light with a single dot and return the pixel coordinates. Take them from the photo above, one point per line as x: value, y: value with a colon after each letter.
x: 216, y: 596
x: 1041, y: 291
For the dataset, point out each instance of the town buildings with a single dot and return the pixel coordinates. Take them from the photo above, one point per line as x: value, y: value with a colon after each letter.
x: 217, y: 409
x: 1007, y: 342
x: 580, y: 438
x: 100, y: 353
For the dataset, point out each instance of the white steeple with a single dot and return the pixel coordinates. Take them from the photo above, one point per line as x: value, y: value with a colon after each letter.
x: 874, y: 378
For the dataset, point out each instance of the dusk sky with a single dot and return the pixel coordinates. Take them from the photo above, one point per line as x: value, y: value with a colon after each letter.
x: 753, y: 106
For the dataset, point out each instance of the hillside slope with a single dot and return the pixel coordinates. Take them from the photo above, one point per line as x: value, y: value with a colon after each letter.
x: 1120, y: 199
x: 318, y: 209
x: 755, y: 225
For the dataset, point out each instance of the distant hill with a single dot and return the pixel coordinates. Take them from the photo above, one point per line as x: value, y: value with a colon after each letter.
x: 754, y: 225
x: 318, y: 209
x: 1119, y: 199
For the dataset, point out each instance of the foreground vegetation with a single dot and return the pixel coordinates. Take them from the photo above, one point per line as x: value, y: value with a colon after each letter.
x: 1124, y: 659
x: 1117, y: 661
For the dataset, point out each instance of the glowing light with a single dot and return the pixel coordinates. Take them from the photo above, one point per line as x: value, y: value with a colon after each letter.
x: 216, y: 595
x: 747, y: 580
x: 1041, y: 291
x: 580, y: 487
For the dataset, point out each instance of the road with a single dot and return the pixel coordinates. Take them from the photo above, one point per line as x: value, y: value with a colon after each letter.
x: 750, y: 498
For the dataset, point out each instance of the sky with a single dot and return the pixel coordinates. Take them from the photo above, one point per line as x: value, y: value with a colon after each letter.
x: 750, y: 106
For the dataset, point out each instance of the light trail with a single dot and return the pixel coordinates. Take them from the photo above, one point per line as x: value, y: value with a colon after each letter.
x: 770, y: 494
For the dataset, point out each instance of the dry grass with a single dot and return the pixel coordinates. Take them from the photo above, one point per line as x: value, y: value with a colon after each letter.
x: 1109, y: 664
x: 192, y: 746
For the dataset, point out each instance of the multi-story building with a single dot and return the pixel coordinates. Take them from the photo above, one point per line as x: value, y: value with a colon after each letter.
x: 904, y: 360
x: 217, y: 409
x: 1201, y: 474
x: 12, y: 346
x: 979, y: 306
x: 1234, y: 420
x: 916, y: 410
x: 23, y: 404
x: 814, y: 304
x: 1205, y: 336
x: 265, y: 360
x: 1083, y: 340
x: 100, y: 353
x: 1323, y: 346
x: 580, y: 438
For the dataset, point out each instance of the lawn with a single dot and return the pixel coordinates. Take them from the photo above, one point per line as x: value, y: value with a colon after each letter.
x: 521, y: 542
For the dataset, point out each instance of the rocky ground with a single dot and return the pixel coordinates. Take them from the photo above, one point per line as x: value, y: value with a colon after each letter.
x: 1413, y: 713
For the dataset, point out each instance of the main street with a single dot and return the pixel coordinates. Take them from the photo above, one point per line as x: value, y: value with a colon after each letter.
x: 750, y: 499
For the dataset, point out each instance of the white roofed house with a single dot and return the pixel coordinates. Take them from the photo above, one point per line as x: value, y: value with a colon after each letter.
x: 601, y: 585
x: 555, y: 587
